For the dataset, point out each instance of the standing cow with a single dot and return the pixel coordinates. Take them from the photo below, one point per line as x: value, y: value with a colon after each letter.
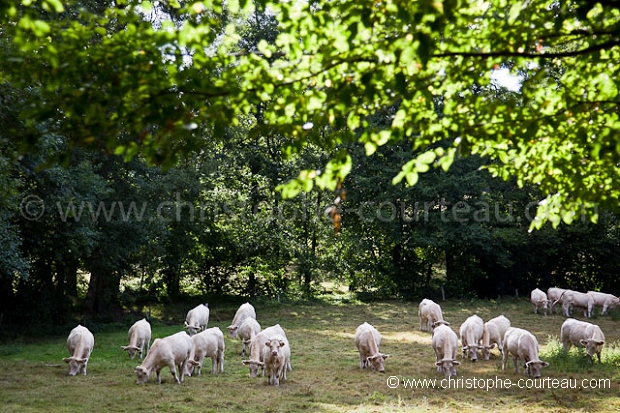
x: 471, y: 332
x: 522, y: 346
x: 539, y: 299
x: 80, y: 344
x: 430, y: 315
x: 197, y: 319
x: 554, y: 295
x: 445, y: 343
x: 207, y: 343
x: 576, y: 299
x: 604, y: 300
x: 139, y: 339
x: 276, y: 356
x: 588, y: 335
x: 367, y: 340
x: 170, y: 351
x: 256, y: 349
x: 494, y: 331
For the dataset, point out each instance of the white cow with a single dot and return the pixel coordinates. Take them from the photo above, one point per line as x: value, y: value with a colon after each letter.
x: 207, y: 343
x: 243, y: 312
x: 577, y: 299
x: 430, y: 315
x: 539, y: 299
x: 139, y: 339
x: 445, y: 343
x: 256, y: 349
x: 367, y: 340
x: 246, y: 332
x: 80, y: 344
x: 607, y: 301
x: 276, y: 356
x: 553, y: 295
x: 522, y: 346
x: 171, y: 351
x: 582, y: 333
x: 494, y: 331
x: 471, y: 332
x: 197, y: 319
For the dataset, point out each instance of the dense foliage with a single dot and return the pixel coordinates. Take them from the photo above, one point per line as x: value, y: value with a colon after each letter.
x: 155, y: 148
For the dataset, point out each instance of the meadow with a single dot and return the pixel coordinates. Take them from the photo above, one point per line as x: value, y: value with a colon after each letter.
x: 326, y: 375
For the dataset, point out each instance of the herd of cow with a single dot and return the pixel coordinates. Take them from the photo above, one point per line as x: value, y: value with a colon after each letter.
x: 518, y: 343
x: 269, y: 349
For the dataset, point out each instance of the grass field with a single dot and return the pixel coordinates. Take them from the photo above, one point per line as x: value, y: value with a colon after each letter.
x: 326, y: 374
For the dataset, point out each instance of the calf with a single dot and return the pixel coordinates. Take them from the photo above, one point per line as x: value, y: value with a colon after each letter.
x: 80, y: 344
x: 139, y: 339
x: 197, y: 319
x: 246, y: 332
x: 494, y: 331
x: 577, y: 299
x: 604, y: 300
x: 171, y: 351
x: 523, y: 346
x: 471, y: 334
x: 539, y: 299
x: 256, y: 349
x: 582, y: 333
x: 554, y: 295
x: 276, y: 356
x: 445, y: 343
x: 367, y: 340
x: 430, y: 315
x: 244, y: 312
x: 207, y: 343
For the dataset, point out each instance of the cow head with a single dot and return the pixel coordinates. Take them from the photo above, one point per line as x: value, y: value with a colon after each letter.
x: 376, y: 362
x: 471, y: 351
x: 486, y: 351
x: 191, y: 330
x: 132, y: 350
x: 447, y: 367
x: 592, y: 347
x: 274, y: 346
x: 76, y: 365
x: 232, y: 331
x: 191, y: 365
x: 142, y: 374
x: 532, y: 368
x: 254, y: 365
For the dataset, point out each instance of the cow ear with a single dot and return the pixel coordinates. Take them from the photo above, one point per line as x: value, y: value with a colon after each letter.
x: 67, y: 359
x: 456, y: 363
x: 386, y: 356
x: 583, y: 342
x: 245, y: 362
x: 492, y: 346
x: 282, y: 343
x: 123, y: 347
x: 268, y: 343
x: 438, y: 363
x: 544, y: 364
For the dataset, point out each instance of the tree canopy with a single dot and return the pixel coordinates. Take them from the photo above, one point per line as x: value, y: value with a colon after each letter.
x: 147, y: 77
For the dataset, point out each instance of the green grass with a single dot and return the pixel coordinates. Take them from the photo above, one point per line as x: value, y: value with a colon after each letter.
x: 326, y: 375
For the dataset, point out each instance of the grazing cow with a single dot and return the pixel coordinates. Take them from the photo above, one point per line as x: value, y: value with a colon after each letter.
x: 553, y: 295
x: 577, y: 299
x: 494, y: 331
x: 430, y: 315
x: 246, y: 332
x: 471, y: 332
x: 244, y: 312
x: 256, y: 349
x: 445, y: 343
x: 582, y: 333
x: 367, y: 340
x: 139, y: 339
x: 523, y: 346
x: 207, y: 343
x: 607, y: 301
x: 171, y: 351
x: 197, y: 319
x: 276, y: 356
x: 80, y: 344
x: 539, y: 299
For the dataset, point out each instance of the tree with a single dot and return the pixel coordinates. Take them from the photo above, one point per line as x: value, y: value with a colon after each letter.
x: 149, y: 88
